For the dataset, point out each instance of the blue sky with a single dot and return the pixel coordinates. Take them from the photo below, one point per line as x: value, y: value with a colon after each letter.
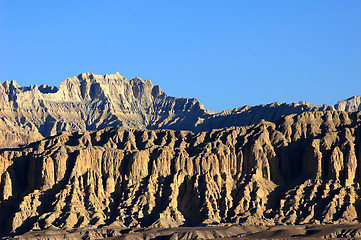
x: 225, y: 53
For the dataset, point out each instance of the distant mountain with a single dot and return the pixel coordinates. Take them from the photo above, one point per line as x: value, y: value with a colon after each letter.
x: 352, y: 104
x: 90, y: 102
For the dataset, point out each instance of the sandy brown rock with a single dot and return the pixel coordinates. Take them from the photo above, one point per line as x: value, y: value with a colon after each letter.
x: 92, y: 102
x: 303, y: 169
x: 352, y: 104
x: 89, y: 102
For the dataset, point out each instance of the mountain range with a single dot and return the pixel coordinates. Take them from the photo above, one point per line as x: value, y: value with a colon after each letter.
x: 102, y: 156
x: 90, y: 102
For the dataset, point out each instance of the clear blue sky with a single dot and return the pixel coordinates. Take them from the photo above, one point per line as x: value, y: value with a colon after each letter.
x: 225, y: 53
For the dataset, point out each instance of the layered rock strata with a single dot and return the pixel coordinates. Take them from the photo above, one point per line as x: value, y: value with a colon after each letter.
x: 303, y: 169
x: 90, y: 102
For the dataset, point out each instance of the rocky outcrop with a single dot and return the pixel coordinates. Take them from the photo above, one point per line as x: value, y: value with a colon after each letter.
x: 248, y: 115
x: 303, y: 169
x: 91, y: 101
x: 352, y: 104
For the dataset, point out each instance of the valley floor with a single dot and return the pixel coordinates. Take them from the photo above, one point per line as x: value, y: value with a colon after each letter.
x: 307, y: 231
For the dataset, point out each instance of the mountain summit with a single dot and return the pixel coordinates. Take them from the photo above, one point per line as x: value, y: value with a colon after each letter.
x: 90, y: 101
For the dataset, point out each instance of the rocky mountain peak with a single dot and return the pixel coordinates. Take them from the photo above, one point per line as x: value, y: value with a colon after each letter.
x: 351, y: 104
x: 10, y: 84
x: 90, y: 101
x: 88, y: 86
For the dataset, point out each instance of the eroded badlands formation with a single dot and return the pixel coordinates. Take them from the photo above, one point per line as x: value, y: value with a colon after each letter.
x: 91, y: 102
x: 305, y: 168
x: 122, y: 158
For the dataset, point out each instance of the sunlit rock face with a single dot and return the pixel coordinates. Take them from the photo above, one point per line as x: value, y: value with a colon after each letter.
x: 90, y: 102
x: 304, y: 168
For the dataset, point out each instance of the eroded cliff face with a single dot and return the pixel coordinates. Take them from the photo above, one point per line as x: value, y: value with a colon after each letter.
x: 352, y: 104
x: 89, y: 102
x: 303, y: 169
x: 92, y: 102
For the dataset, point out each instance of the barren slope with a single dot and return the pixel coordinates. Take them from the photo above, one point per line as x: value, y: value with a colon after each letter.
x: 91, y: 101
x: 303, y: 169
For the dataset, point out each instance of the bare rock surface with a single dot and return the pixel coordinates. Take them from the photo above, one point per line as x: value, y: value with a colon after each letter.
x: 352, y: 104
x: 303, y: 169
x: 90, y: 101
